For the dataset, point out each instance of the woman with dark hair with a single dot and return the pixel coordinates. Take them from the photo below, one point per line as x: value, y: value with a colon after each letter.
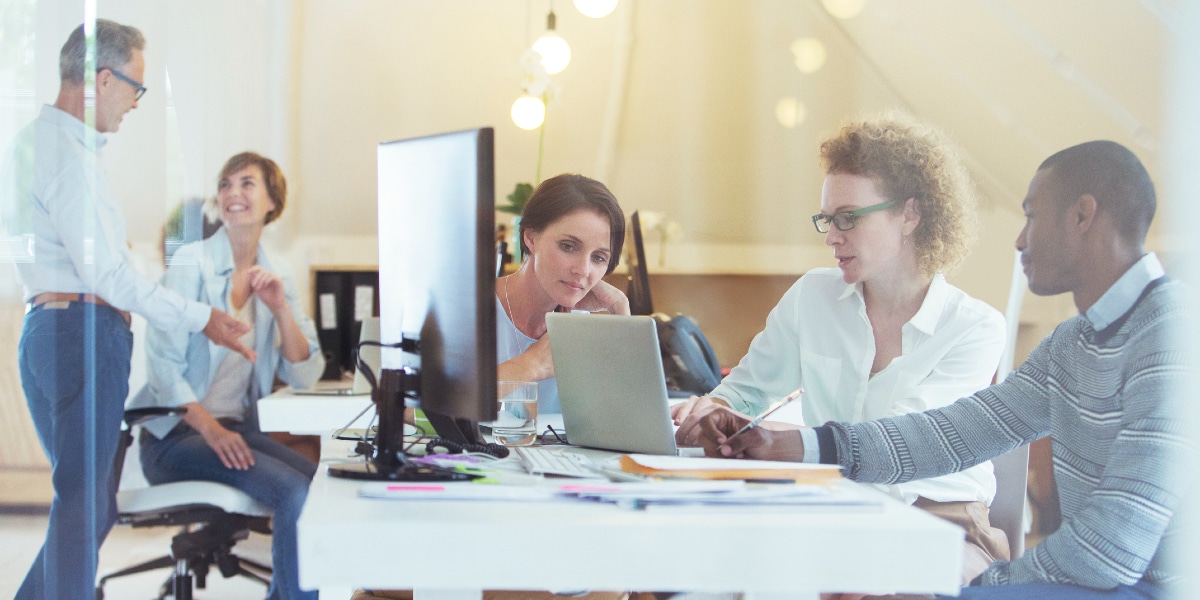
x: 571, y: 234
x: 218, y: 438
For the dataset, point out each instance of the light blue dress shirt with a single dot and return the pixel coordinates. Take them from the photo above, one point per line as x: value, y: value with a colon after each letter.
x: 182, y: 366
x: 1124, y: 293
x: 57, y: 207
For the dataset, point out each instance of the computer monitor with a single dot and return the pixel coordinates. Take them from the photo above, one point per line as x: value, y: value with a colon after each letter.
x: 437, y: 289
x: 637, y: 288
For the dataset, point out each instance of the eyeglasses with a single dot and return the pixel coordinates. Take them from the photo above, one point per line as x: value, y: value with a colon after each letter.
x: 141, y: 89
x: 845, y: 220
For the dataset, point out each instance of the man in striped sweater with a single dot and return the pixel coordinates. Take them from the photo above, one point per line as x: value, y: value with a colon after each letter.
x: 1108, y: 387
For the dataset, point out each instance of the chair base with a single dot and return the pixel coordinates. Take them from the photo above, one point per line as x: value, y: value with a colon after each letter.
x: 195, y: 550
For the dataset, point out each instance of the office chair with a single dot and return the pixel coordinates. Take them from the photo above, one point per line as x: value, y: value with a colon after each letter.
x: 1007, y: 512
x: 214, y: 517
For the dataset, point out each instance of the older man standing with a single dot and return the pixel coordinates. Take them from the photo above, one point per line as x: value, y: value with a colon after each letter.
x: 80, y: 285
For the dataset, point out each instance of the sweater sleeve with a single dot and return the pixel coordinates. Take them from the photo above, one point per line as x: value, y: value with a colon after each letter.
x: 1115, y: 533
x: 946, y: 440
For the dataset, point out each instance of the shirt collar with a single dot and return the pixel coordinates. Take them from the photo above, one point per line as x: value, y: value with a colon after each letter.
x: 928, y: 315
x: 1120, y: 297
x: 220, y: 252
x: 73, y: 127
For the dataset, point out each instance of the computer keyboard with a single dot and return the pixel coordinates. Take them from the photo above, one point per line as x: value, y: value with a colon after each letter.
x: 547, y: 461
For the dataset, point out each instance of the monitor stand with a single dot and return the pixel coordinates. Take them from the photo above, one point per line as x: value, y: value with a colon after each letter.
x: 389, y: 463
x: 462, y: 431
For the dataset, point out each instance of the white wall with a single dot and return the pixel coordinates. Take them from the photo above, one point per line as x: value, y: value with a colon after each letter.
x: 672, y: 99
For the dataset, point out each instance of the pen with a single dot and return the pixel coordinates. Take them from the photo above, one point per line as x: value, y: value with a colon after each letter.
x: 766, y: 413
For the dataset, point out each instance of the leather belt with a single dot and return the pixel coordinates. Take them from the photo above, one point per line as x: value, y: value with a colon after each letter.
x: 67, y: 297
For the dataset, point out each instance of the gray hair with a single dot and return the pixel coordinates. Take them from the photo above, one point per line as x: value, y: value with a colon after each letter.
x: 115, y: 44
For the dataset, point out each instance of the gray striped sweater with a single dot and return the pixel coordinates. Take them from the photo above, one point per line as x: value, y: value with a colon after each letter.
x: 1123, y: 460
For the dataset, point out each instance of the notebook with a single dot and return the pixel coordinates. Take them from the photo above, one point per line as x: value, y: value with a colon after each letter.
x: 359, y: 387
x: 611, y: 383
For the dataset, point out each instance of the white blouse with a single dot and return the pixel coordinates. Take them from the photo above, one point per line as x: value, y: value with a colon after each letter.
x: 818, y: 337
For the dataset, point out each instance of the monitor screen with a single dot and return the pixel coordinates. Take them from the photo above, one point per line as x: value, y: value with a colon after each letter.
x: 437, y: 285
x: 638, y: 285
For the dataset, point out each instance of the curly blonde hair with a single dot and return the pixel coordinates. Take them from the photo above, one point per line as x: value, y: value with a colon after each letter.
x: 910, y: 159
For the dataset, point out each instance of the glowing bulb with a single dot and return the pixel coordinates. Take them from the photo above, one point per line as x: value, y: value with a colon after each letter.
x: 595, y: 8
x: 844, y: 9
x: 809, y: 53
x: 790, y: 112
x: 528, y: 112
x: 555, y: 52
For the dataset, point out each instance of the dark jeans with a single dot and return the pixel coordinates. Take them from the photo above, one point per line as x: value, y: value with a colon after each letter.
x: 75, y: 373
x: 1054, y: 591
x: 279, y: 479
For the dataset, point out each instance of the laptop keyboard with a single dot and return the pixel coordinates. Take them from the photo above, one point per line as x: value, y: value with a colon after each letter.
x: 546, y: 461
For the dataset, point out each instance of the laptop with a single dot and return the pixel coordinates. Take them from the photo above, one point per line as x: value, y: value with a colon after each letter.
x: 360, y: 386
x: 611, y: 383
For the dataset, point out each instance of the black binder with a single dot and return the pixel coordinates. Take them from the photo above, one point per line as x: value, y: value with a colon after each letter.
x: 341, y: 298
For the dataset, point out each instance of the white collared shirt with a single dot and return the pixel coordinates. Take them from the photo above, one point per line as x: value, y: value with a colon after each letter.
x: 55, y: 199
x: 819, y: 337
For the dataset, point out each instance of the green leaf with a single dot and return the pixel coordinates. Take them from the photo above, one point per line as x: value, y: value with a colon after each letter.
x: 517, y: 199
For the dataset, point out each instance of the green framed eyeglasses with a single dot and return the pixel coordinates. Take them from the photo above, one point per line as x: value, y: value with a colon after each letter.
x: 845, y: 220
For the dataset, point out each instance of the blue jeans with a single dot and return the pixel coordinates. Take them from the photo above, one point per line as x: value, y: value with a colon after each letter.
x: 1055, y: 591
x: 75, y: 373
x: 279, y: 479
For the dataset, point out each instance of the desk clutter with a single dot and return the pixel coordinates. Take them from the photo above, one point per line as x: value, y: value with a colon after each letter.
x: 631, y: 481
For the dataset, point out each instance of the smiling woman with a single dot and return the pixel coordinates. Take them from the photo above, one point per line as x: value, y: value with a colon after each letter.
x: 572, y: 232
x: 219, y: 438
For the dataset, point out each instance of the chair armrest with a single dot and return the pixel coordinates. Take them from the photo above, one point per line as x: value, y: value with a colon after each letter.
x: 137, y: 416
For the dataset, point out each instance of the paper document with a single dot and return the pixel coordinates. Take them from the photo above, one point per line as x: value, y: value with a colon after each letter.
x: 727, y: 493
x: 726, y: 468
x: 455, y: 490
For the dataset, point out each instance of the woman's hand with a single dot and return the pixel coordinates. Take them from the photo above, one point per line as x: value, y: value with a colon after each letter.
x: 604, y: 297
x: 687, y: 416
x: 230, y: 447
x: 532, y: 365
x: 268, y: 287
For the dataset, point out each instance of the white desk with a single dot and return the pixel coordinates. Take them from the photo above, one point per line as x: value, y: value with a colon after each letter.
x: 455, y: 549
x: 308, y: 415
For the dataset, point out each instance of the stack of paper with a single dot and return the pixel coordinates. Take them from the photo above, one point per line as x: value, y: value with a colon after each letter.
x: 675, y: 467
x: 637, y: 495
x: 720, y: 493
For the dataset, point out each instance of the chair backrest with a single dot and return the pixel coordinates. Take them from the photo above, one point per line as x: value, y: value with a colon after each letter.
x: 1007, y: 511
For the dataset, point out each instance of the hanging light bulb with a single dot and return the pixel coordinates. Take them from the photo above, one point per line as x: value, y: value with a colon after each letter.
x: 809, y: 53
x: 844, y: 9
x: 595, y: 8
x: 556, y: 54
x: 528, y: 112
x: 790, y: 112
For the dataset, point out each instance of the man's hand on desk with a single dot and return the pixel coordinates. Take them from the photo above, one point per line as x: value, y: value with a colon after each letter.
x: 687, y: 416
x: 759, y: 443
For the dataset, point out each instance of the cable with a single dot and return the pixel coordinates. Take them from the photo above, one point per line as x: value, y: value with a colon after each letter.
x: 443, y: 446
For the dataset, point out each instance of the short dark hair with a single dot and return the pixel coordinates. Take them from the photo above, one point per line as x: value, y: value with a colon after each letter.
x: 115, y: 44
x: 1114, y: 176
x: 272, y: 177
x: 564, y: 194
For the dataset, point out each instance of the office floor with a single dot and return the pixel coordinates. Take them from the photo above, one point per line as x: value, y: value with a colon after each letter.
x: 23, y: 535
